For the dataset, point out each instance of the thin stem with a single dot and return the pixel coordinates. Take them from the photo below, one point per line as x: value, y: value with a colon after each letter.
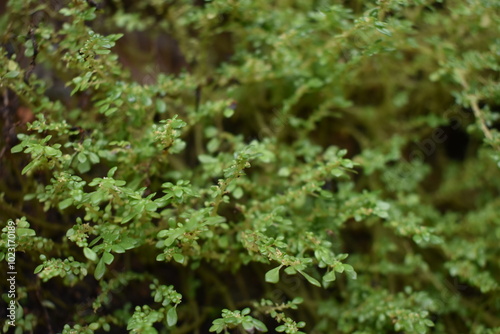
x: 473, y: 99
x: 480, y: 117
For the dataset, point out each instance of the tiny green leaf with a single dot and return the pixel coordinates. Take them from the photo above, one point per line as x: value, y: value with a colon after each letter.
x: 329, y: 277
x: 310, y: 279
x: 38, y: 269
x: 82, y: 158
x: 259, y: 325
x: 17, y: 148
x: 172, y: 317
x: 25, y: 232
x: 100, y: 269
x: 108, y: 257
x: 161, y: 106
x: 350, y: 271
x: 90, y: 254
x: 65, y: 203
x: 179, y: 258
x: 11, y: 74
x: 273, y: 275
x: 112, y: 171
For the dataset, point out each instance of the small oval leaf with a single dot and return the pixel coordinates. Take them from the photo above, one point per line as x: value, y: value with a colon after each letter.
x: 100, y: 269
x: 90, y: 254
x: 329, y: 277
x: 38, y: 269
x: 172, y: 317
x: 107, y: 257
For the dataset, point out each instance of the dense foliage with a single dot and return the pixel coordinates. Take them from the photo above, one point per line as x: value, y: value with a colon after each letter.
x: 246, y: 166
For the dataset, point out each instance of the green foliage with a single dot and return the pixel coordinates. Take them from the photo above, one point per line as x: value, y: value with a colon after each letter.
x: 232, y: 319
x: 251, y: 166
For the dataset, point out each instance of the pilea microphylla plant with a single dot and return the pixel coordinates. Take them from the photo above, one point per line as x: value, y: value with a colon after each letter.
x: 250, y: 166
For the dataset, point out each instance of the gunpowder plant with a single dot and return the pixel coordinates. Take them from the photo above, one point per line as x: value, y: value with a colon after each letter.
x: 250, y: 166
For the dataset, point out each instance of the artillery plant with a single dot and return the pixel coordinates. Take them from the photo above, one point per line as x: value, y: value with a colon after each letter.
x: 250, y: 166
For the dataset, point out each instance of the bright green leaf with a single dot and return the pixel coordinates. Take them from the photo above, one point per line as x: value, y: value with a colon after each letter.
x: 90, y: 254
x: 310, y: 279
x: 172, y: 317
x: 273, y: 275
x: 100, y: 269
